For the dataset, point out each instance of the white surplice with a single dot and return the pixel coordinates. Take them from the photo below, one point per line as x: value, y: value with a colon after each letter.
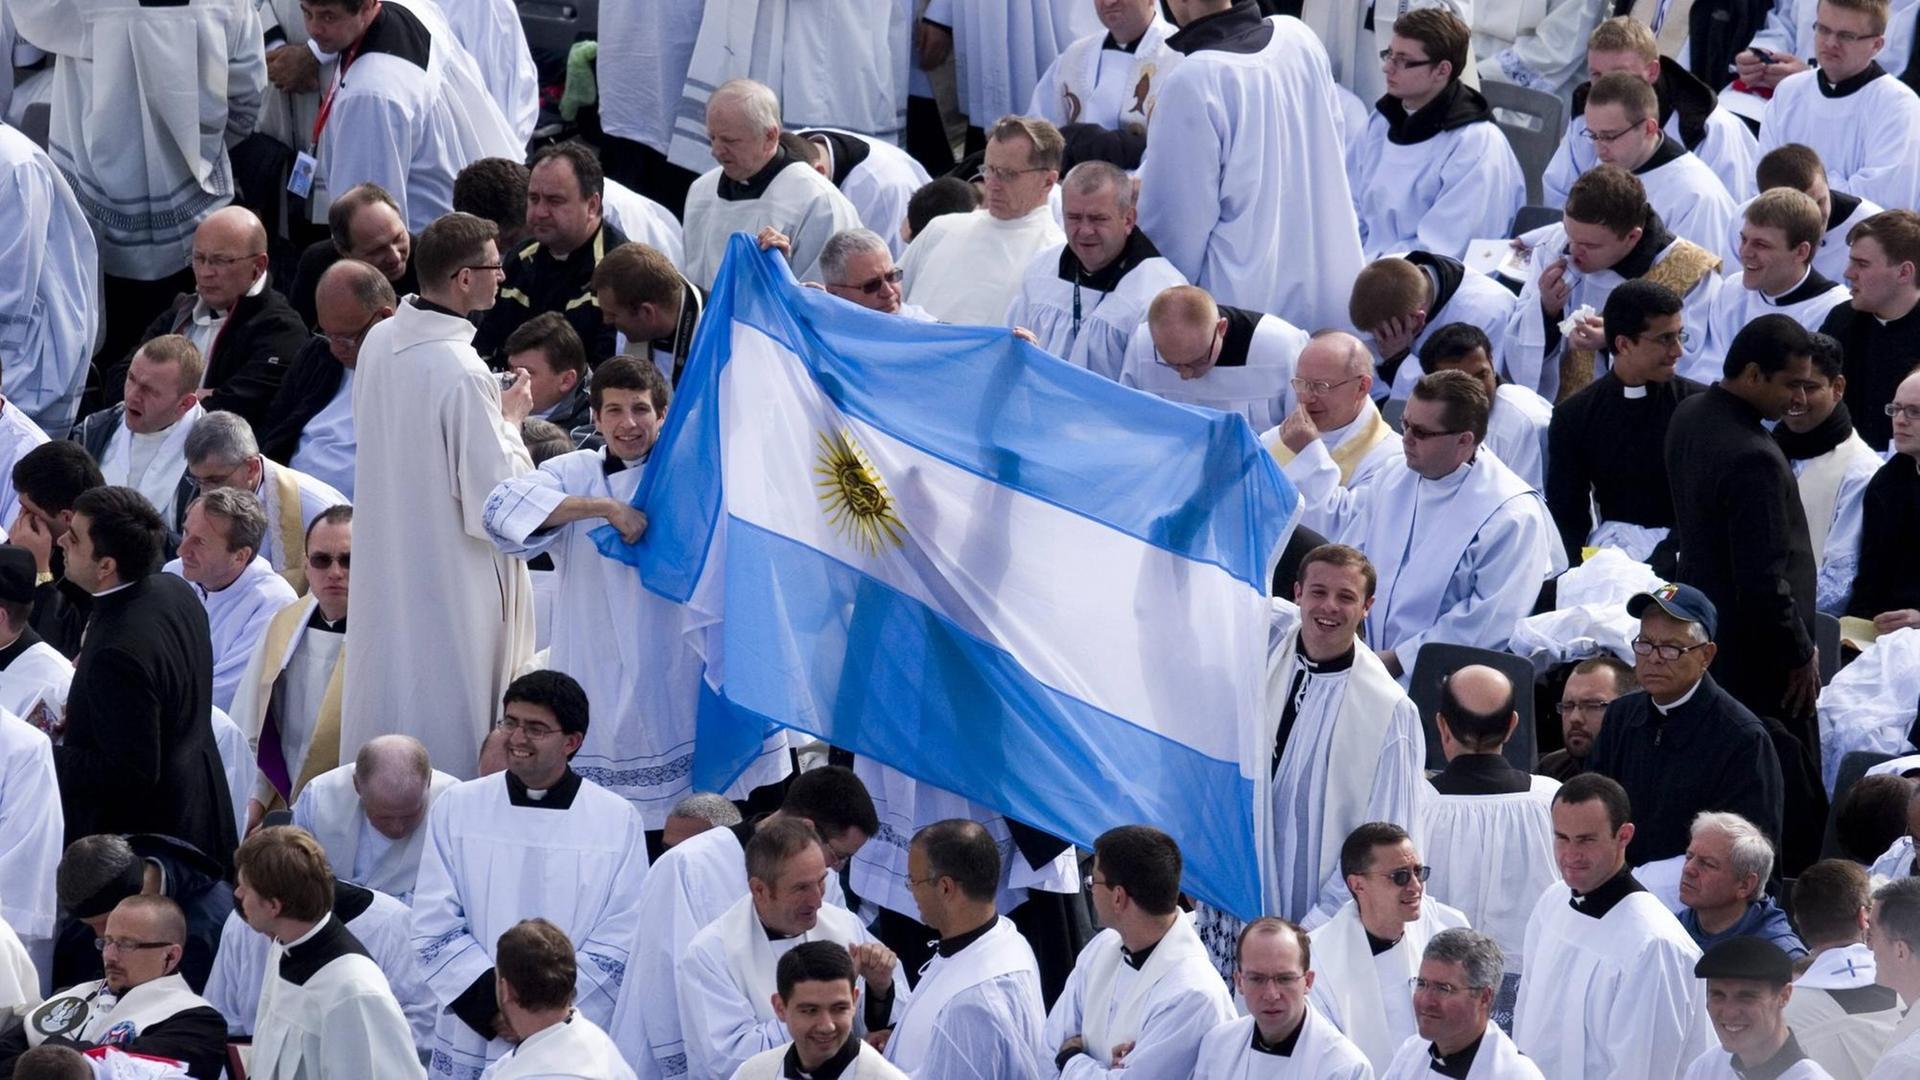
x: 626, y: 647
x: 1356, y: 754
x: 146, y: 101
x: 644, y: 53
x: 975, y: 1014
x: 1351, y: 455
x: 1717, y: 1064
x: 32, y: 833
x: 1690, y: 199
x: 491, y: 33
x: 339, y: 1021
x: 1438, y: 194
x: 18, y: 432
x: 726, y: 985
x: 876, y: 177
x: 153, y: 463
x: 288, y: 118
x: 1495, y: 1059
x: 573, y: 1049
x: 1492, y: 856
x: 1320, y: 1053
x: 466, y: 614
x: 330, y: 809
x: 49, y: 301
x: 1843, y: 1019
x: 1735, y: 305
x: 237, y: 617
x: 1832, y: 487
x: 967, y: 268
x: 1001, y: 47
x: 641, y: 219
x: 868, y: 1064
x: 1078, y: 322
x: 1867, y: 139
x: 1365, y: 994
x: 1613, y: 996
x: 1165, y: 1008
x: 799, y: 202
x: 1538, y: 44
x: 1095, y: 82
x: 1517, y: 432
x: 1458, y: 293
x: 1244, y: 183
x: 40, y: 674
x: 494, y: 857
x: 1728, y: 148
x: 1259, y: 386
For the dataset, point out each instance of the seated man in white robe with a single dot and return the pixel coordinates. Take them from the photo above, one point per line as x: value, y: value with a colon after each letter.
x: 1343, y: 743
x: 1400, y: 300
x: 288, y: 701
x: 1748, y: 987
x: 1538, y: 44
x: 726, y: 981
x: 326, y: 1011
x: 1863, y: 122
x: 48, y: 265
x: 816, y: 994
x: 222, y: 453
x: 1894, y: 934
x: 32, y: 828
x: 1433, y: 171
x: 536, y: 972
x: 142, y: 1006
x: 1347, y: 440
x: 1609, y: 236
x: 1283, y: 1035
x: 1832, y: 465
x: 698, y: 880
x: 141, y: 443
x: 757, y: 183
x: 1609, y: 989
x: 1143, y: 993
x: 1623, y: 123
x: 1518, y: 418
x: 1778, y: 232
x: 1101, y: 89
x: 1461, y: 543
x: 977, y: 1009
x: 1453, y: 1001
x: 1788, y: 43
x: 220, y: 556
x: 491, y: 861
x: 1197, y: 352
x: 1841, y: 1016
x: 1798, y: 167
x: 1488, y: 825
x: 1085, y: 298
x: 368, y: 813
x: 878, y: 178
x: 1365, y: 955
x: 1689, y: 110
x: 968, y: 268
x: 1243, y: 189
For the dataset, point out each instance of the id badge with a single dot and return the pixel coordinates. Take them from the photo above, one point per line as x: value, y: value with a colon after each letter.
x: 300, y: 182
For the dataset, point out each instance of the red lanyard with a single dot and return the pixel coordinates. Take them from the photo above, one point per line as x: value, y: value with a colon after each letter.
x: 326, y: 103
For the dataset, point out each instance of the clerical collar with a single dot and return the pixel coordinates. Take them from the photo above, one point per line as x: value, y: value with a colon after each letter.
x: 1811, y: 284
x: 1330, y: 666
x: 1666, y: 153
x: 1136, y: 250
x: 1239, y: 29
x: 1480, y: 774
x: 612, y: 464
x: 756, y: 185
x: 1110, y: 45
x: 1840, y: 207
x: 1668, y: 710
x: 1774, y: 1067
x: 1825, y: 437
x: 777, y: 935
x: 951, y: 945
x: 122, y: 587
x: 1283, y: 1048
x: 1137, y: 958
x: 1654, y: 239
x: 1454, y: 107
x: 558, y: 797
x: 318, y: 621
x: 1596, y: 904
x: 203, y: 313
x: 306, y: 955
x: 424, y: 304
x: 1849, y: 86
x: 1633, y: 393
x: 1377, y: 944
x: 829, y: 1069
x: 27, y: 640
x: 1458, y: 1063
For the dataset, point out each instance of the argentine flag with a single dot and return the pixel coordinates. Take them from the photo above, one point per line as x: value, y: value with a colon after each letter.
x: 998, y: 573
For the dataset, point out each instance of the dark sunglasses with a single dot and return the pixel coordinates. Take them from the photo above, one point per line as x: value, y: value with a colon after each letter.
x: 323, y: 560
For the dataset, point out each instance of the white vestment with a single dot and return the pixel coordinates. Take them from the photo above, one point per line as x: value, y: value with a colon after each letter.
x: 19, y: 978
x: 975, y: 1014
x: 32, y: 832
x: 1320, y: 1053
x: 426, y: 399
x: 1001, y: 47
x: 288, y: 118
x: 1517, y: 432
x: 627, y: 647
x: 1610, y: 997
x: 237, y: 617
x: 1113, y: 88
x: 1492, y: 855
x: 151, y: 464
x: 89, y: 1011
x: 1457, y: 293
x: 1867, y: 139
x: 1843, y: 1019
x: 1538, y: 44
x: 1831, y: 489
x: 1259, y: 386
x: 726, y: 986
x: 327, y: 446
x: 1356, y: 754
x: 1902, y: 1058
x: 236, y: 761
x: 1495, y: 1059
x: 330, y: 809
x: 1728, y: 148
x: 1365, y: 994
x: 1691, y: 200
x: 876, y: 177
x: 573, y: 1049
x: 146, y: 102
x: 490, y: 32
x: 411, y: 123
x: 1734, y: 306
x: 644, y: 53
x: 799, y: 202
x: 49, y: 300
x: 1270, y: 226
x: 967, y: 268
x: 296, y: 678
x: 1164, y: 1008
x: 868, y: 1064
x: 1456, y: 185
x: 1075, y: 319
x: 316, y: 496
x: 1717, y: 1064
x: 496, y: 855
x: 39, y: 675
x: 340, y: 1021
x: 639, y: 218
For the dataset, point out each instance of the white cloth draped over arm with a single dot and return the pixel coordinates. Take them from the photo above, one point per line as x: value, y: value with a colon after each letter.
x: 516, y: 508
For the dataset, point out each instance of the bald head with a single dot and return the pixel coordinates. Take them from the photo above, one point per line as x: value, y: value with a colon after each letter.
x: 351, y: 297
x: 229, y: 255
x: 1186, y: 327
x: 394, y: 780
x: 235, y: 223
x: 1337, y: 372
x: 1476, y: 711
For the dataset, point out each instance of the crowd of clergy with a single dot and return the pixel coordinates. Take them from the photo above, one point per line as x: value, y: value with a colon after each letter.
x: 1587, y: 331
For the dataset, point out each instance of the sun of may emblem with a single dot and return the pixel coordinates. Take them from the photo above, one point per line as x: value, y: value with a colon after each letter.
x: 854, y: 497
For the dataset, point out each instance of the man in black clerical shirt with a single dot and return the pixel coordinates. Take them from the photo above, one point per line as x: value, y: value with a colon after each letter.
x: 1886, y: 587
x: 1880, y: 328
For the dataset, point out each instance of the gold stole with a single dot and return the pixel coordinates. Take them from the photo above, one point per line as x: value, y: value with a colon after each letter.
x: 293, y: 531
x: 1686, y: 263
x: 1348, y: 454
x: 324, y: 752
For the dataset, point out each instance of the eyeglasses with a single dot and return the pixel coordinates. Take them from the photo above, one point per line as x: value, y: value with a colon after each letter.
x: 1844, y: 37
x: 531, y: 731
x: 1570, y: 708
x: 1259, y: 981
x: 1667, y: 340
x: 1403, y: 63
x: 1911, y: 412
x: 127, y: 944
x: 1608, y: 137
x: 839, y: 858
x: 1319, y: 387
x: 1420, y: 434
x: 221, y: 262
x: 928, y: 880
x: 872, y: 286
x: 349, y: 341
x: 1417, y: 984
x: 1203, y: 360
x: 324, y: 560
x: 1007, y: 176
x: 201, y: 483
x: 1405, y: 875
x: 1089, y: 881
x: 497, y: 267
x: 1669, y: 653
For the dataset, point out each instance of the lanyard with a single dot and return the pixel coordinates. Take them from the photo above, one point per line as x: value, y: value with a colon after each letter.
x: 1076, y: 303
x: 326, y: 103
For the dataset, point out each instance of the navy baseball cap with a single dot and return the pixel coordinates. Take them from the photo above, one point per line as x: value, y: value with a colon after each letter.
x: 1683, y: 602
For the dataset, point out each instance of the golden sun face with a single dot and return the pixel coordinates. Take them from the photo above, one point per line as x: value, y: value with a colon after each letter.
x: 853, y: 496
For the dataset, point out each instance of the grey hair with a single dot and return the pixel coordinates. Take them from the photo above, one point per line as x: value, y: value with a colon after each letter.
x: 89, y: 864
x: 1476, y: 952
x: 715, y: 810
x: 1091, y: 176
x: 246, y: 518
x: 401, y: 755
x: 1897, y: 916
x: 1752, y: 851
x: 844, y: 245
x: 756, y: 101
x: 222, y: 436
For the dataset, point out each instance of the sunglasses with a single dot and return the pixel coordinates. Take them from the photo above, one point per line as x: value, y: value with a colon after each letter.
x: 873, y: 286
x: 324, y: 560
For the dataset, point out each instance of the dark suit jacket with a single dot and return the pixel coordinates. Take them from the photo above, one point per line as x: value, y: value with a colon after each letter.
x: 312, y: 380
x: 139, y: 754
x: 248, y: 359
